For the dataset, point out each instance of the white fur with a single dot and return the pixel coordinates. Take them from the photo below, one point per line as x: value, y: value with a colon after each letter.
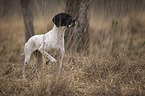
x: 54, y: 39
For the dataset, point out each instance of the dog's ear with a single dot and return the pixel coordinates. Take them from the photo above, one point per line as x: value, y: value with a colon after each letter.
x: 56, y: 20
x: 62, y: 19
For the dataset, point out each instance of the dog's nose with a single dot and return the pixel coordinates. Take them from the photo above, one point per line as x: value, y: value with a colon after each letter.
x: 72, y: 24
x: 74, y: 21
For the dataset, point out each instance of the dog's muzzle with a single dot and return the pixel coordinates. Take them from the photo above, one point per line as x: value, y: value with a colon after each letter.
x: 72, y: 24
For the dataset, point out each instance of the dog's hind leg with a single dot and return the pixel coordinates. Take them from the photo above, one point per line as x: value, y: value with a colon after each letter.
x: 26, y: 62
x: 34, y: 71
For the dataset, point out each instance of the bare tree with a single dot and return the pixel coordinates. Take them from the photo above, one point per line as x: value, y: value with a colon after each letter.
x: 78, y: 39
x: 28, y: 18
x: 28, y: 21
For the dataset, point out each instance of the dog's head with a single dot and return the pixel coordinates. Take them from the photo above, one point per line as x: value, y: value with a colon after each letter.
x: 63, y: 19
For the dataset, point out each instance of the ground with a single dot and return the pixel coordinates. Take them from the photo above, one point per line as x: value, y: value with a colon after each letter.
x: 114, y: 66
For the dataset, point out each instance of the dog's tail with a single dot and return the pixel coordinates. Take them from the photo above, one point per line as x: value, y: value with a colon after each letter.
x: 23, y: 54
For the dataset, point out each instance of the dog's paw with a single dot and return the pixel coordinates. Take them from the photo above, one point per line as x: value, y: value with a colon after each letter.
x: 50, y: 61
x: 53, y: 61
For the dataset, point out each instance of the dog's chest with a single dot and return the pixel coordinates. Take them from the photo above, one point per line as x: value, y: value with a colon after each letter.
x: 54, y: 41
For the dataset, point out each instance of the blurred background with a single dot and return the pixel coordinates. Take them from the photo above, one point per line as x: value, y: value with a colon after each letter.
x: 115, y: 59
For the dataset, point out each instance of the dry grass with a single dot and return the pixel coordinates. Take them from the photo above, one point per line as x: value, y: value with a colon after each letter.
x: 115, y: 65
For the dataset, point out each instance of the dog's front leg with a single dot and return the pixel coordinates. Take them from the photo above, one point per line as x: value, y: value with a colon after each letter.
x: 44, y: 53
x: 61, y: 59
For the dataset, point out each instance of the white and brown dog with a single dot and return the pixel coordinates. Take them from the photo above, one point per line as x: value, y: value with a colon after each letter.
x: 54, y: 39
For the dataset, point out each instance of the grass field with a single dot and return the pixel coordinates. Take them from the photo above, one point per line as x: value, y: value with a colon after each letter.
x: 115, y: 65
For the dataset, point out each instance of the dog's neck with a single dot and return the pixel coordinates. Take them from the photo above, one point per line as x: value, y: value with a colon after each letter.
x: 59, y: 30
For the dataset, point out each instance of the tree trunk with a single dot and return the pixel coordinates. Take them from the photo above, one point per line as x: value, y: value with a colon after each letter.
x: 29, y: 28
x: 77, y: 38
x: 28, y: 18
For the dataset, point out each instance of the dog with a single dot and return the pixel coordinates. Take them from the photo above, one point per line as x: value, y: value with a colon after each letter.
x: 54, y: 39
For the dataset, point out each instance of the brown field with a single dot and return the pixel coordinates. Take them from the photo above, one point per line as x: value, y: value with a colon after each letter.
x: 115, y: 65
